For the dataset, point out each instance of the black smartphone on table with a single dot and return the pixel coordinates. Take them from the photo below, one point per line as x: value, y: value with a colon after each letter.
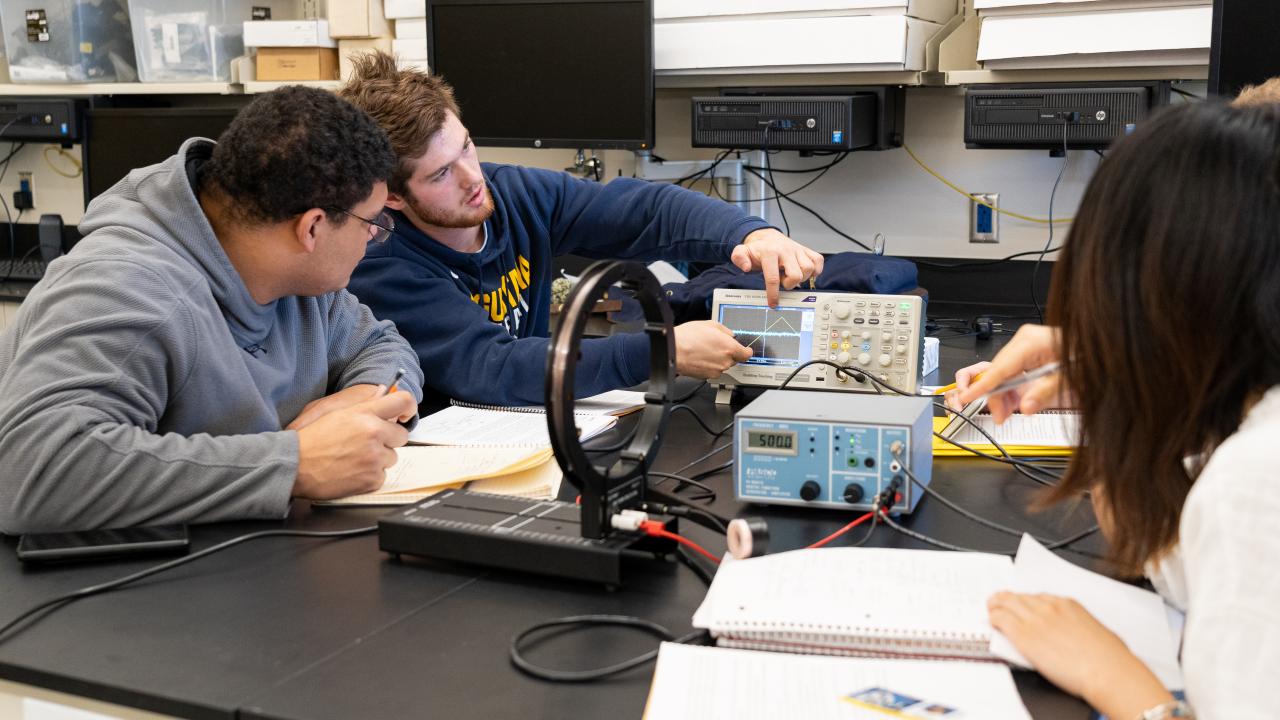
x: 103, y: 544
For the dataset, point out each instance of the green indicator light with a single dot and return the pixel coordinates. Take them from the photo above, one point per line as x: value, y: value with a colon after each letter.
x: 905, y: 306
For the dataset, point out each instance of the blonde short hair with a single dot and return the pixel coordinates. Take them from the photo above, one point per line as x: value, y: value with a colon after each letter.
x: 1268, y: 93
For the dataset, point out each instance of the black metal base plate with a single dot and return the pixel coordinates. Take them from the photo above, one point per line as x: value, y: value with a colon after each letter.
x: 537, y: 536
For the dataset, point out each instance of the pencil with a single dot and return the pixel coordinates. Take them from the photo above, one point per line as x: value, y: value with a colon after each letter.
x: 948, y: 388
x: 395, y: 381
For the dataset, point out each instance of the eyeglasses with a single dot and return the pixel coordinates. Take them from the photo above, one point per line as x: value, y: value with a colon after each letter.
x: 382, y: 225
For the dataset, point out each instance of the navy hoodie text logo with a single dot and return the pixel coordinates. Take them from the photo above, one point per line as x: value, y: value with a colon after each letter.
x: 506, y: 303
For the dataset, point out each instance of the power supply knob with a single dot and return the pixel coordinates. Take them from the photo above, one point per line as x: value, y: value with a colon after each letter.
x: 810, y: 491
x: 842, y: 311
x: 853, y: 493
x: 885, y: 360
x: 864, y: 359
x: 843, y: 358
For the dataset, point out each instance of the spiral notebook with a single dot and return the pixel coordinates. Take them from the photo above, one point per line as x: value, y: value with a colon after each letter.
x: 614, y: 402
x: 916, y: 604
x: 474, y: 425
x: 871, y: 602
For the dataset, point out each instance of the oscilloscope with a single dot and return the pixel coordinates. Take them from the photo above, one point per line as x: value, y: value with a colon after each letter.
x: 876, y: 334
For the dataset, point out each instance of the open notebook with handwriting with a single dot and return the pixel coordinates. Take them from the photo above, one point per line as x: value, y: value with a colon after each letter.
x: 915, y: 604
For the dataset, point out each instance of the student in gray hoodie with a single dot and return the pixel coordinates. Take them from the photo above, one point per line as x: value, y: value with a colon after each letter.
x: 195, y: 357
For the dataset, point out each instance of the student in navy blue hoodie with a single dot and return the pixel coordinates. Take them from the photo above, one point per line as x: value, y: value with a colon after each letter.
x: 466, y: 277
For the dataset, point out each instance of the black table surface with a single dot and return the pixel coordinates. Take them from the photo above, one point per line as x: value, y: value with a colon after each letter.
x: 333, y: 628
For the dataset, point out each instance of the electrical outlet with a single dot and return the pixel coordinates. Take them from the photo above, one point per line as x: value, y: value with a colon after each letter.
x: 984, y: 220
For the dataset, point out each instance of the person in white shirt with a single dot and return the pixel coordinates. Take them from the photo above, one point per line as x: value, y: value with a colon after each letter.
x: 1165, y: 315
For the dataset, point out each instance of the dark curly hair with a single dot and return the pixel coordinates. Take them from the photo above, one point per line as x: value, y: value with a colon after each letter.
x: 298, y: 148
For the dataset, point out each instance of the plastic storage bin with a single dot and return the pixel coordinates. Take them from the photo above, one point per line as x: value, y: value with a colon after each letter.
x: 194, y: 40
x: 68, y: 41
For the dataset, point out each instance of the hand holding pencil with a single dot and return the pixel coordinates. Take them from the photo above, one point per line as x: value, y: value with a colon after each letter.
x: 1022, y: 377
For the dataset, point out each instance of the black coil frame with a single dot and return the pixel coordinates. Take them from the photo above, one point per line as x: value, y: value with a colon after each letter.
x: 605, y: 490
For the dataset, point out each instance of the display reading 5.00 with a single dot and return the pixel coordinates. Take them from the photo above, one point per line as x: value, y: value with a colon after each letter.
x: 772, y: 441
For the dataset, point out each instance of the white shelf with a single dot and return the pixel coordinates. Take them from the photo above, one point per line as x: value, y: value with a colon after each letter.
x: 781, y: 79
x: 137, y: 88
x: 983, y: 77
x: 258, y: 86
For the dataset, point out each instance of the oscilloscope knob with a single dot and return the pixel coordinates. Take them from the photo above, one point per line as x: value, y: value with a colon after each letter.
x: 885, y: 360
x: 842, y: 311
x: 864, y: 359
x: 843, y: 358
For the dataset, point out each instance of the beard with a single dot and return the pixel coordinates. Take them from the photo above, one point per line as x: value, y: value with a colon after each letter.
x: 463, y: 217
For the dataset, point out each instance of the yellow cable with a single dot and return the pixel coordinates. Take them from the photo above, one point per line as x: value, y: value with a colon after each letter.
x: 71, y: 158
x: 978, y: 200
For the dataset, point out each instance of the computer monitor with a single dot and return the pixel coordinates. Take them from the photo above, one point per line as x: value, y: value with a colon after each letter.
x: 532, y: 73
x: 121, y: 139
x: 1242, y: 46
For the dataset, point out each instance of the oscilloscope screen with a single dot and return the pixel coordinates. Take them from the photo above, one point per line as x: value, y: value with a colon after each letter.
x: 781, y: 337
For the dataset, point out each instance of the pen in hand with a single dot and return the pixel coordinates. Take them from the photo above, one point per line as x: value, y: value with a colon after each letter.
x: 1019, y: 380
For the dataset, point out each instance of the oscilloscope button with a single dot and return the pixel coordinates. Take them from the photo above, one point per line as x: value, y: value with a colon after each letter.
x: 858, y: 321
x: 861, y: 303
x: 873, y: 321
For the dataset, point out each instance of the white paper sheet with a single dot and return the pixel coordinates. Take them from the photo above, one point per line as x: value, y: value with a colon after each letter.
x: 1138, y: 616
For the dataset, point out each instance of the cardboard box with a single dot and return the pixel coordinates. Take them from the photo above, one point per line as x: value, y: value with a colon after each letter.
x: 349, y: 48
x: 421, y: 65
x: 410, y: 28
x: 288, y: 33
x: 396, y: 9
x: 314, y: 63
x: 412, y: 49
x: 358, y: 19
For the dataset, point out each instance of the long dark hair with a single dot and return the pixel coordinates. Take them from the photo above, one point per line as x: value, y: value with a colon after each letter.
x: 1167, y: 294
